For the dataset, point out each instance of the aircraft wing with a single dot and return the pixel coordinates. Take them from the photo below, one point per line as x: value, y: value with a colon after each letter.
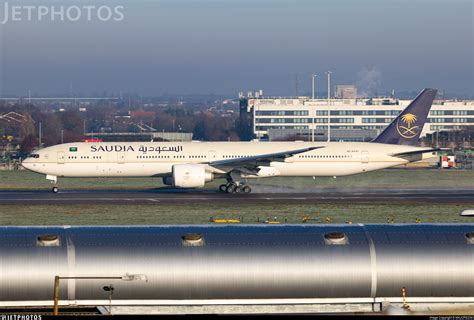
x: 259, y: 160
x: 415, y: 152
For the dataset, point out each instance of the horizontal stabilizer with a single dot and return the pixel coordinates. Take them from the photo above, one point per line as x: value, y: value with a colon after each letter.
x: 409, y: 153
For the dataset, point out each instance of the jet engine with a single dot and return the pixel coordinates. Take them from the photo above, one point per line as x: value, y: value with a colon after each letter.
x: 190, y: 176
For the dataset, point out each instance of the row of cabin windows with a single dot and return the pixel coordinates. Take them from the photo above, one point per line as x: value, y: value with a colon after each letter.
x: 84, y: 157
x: 226, y: 157
x: 325, y: 156
x: 168, y: 157
x: 190, y: 157
x: 153, y: 157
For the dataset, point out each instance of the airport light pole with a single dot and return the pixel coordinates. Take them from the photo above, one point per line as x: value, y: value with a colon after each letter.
x: 310, y: 109
x: 125, y: 277
x: 329, y: 103
x: 437, y: 139
x: 313, y: 76
x: 40, y: 134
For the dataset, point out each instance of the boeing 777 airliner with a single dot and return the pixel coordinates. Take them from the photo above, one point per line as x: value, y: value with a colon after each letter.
x: 193, y: 164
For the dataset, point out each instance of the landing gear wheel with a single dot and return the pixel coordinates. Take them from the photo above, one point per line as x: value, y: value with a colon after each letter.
x: 55, y: 189
x: 223, y: 187
x: 238, y: 189
x: 246, y: 189
x: 231, y: 188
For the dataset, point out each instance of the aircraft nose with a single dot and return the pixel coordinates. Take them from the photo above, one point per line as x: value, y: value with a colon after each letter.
x: 27, y: 164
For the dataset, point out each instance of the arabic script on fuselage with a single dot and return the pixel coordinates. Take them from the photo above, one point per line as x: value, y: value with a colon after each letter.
x: 130, y: 148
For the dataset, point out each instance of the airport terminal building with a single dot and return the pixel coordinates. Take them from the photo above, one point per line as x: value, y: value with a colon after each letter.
x: 350, y: 119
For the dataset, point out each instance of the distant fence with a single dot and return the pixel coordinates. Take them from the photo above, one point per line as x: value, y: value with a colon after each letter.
x: 10, y: 166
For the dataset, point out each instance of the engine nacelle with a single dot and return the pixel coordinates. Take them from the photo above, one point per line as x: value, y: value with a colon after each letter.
x: 190, y: 176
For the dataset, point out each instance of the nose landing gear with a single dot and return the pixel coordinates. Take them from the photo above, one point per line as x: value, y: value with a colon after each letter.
x: 54, y: 181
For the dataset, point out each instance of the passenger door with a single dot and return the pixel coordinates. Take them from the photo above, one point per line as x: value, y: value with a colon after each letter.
x: 121, y: 157
x: 61, y: 156
x: 212, y: 155
x: 364, y: 156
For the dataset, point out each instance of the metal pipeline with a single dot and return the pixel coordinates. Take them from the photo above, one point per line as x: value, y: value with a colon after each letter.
x: 237, y: 261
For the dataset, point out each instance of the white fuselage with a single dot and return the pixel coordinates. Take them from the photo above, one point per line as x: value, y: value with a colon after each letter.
x: 151, y: 159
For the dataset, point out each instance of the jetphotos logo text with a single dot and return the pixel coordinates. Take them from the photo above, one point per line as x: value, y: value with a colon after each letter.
x: 16, y: 11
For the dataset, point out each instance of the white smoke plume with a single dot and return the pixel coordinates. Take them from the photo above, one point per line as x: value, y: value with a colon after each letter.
x: 368, y: 81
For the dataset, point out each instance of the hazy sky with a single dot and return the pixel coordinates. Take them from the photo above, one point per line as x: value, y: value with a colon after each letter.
x: 224, y: 46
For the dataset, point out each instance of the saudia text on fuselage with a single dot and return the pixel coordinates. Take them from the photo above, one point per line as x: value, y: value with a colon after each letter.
x: 129, y: 148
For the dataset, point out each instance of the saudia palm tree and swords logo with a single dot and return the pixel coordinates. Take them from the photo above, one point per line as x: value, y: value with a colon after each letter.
x: 406, y: 127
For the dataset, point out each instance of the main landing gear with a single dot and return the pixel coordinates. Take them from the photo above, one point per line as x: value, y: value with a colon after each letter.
x: 233, y: 187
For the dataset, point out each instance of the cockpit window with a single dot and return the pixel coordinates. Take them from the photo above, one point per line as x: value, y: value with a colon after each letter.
x: 34, y: 155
